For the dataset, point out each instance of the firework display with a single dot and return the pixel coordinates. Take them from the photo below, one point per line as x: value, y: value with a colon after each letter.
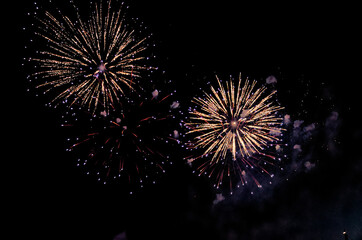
x: 131, y: 144
x: 182, y: 120
x: 90, y: 61
x: 98, y: 67
x: 232, y: 129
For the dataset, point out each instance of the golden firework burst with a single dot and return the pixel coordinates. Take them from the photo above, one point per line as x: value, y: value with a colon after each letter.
x: 90, y: 61
x: 231, y: 126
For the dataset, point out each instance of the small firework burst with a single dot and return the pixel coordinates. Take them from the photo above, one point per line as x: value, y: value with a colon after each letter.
x: 92, y: 62
x: 128, y: 145
x: 233, y: 128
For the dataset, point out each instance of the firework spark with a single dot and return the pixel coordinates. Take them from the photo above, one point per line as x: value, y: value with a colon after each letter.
x: 232, y: 128
x: 91, y: 62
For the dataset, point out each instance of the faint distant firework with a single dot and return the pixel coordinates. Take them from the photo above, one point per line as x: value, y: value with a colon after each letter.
x: 92, y: 61
x: 234, y: 130
x: 131, y: 144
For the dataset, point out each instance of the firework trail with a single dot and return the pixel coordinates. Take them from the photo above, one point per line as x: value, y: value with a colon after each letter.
x: 129, y: 145
x: 91, y: 62
x: 233, y: 129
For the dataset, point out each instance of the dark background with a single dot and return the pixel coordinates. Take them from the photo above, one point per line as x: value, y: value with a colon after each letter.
x: 314, y: 53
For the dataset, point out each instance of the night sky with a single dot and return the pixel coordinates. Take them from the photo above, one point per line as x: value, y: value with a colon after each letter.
x: 312, y: 51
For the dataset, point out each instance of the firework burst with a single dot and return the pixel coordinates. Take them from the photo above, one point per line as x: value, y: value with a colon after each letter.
x: 91, y: 62
x: 233, y: 128
x: 127, y: 145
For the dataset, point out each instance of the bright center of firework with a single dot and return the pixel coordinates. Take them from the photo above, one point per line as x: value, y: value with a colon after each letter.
x: 234, y: 124
x: 101, y: 71
x: 102, y: 68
